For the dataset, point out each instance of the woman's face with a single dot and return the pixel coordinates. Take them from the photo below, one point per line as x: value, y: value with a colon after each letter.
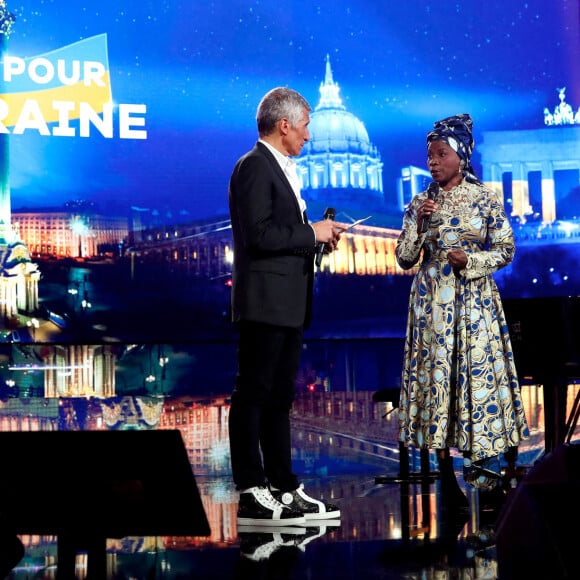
x: 444, y: 164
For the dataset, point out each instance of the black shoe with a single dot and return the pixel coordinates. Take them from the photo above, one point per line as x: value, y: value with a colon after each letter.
x: 313, y: 509
x: 453, y: 500
x: 257, y: 506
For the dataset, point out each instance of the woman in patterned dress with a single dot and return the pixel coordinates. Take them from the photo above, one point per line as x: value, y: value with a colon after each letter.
x: 459, y: 383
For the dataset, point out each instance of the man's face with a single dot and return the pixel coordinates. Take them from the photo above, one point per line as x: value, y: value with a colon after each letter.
x: 295, y: 137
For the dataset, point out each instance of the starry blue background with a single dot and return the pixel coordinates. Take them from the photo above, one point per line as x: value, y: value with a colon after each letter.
x: 201, y: 68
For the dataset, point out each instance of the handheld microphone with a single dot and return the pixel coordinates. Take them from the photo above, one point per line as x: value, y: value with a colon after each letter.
x: 329, y: 214
x: 432, y: 192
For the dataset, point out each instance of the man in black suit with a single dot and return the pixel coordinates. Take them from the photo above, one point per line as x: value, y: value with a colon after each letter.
x: 274, y: 248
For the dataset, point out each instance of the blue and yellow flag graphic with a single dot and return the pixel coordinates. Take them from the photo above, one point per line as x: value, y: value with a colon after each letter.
x: 76, y: 73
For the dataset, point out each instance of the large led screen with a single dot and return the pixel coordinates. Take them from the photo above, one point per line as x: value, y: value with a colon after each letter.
x: 120, y: 123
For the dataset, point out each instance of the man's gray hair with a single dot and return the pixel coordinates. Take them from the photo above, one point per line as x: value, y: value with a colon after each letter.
x: 280, y: 103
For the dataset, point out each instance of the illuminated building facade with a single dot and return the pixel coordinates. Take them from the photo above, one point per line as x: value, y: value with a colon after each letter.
x: 64, y: 234
x: 63, y: 370
x: 207, y: 251
x: 203, y: 425
x: 368, y: 252
x: 203, y: 250
x: 413, y: 180
x: 18, y: 276
x: 540, y: 166
x: 79, y: 370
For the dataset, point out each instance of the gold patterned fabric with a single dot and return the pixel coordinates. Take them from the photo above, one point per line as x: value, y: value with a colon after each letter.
x: 459, y: 384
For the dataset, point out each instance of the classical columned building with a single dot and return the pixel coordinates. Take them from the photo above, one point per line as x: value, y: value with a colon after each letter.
x: 368, y: 251
x: 542, y: 165
x: 79, y: 370
x: 540, y: 154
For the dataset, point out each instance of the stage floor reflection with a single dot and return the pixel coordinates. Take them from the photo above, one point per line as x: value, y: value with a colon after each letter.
x: 345, y: 450
x: 394, y: 530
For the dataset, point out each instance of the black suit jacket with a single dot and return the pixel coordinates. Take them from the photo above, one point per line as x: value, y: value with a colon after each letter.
x: 274, y: 246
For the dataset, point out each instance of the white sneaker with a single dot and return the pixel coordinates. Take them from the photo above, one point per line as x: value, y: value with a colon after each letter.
x: 313, y: 509
x: 258, y: 506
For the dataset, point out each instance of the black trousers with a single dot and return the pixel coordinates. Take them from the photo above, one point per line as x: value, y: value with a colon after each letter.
x: 259, y: 420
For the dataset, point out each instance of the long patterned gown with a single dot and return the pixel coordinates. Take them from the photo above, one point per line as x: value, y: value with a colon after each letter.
x: 459, y: 383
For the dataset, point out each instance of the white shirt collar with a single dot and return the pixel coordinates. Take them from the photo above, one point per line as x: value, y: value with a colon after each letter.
x: 288, y: 166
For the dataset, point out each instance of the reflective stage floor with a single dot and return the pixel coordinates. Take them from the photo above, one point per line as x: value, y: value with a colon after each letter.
x: 393, y: 530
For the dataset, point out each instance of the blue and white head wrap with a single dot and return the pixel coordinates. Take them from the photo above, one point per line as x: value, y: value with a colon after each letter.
x: 456, y: 131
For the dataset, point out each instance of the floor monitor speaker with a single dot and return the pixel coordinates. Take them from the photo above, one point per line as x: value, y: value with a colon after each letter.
x: 534, y: 537
x: 101, y: 483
